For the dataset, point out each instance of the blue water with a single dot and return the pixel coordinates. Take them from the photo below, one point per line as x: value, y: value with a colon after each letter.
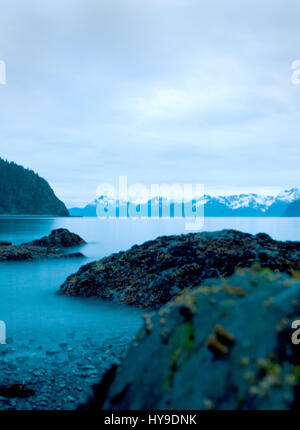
x: 35, y: 316
x: 27, y: 289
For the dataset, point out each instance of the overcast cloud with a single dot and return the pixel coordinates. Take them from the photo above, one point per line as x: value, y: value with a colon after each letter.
x: 170, y: 91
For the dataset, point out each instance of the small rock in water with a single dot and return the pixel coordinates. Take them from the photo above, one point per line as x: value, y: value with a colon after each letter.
x: 63, y: 345
x: 88, y: 367
x: 37, y: 373
x: 5, y: 243
x: 15, y: 390
x: 52, y: 351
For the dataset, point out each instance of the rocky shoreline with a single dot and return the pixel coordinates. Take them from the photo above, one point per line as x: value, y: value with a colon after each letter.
x: 217, y: 334
x: 36, y: 375
x: 52, y: 246
x: 151, y: 274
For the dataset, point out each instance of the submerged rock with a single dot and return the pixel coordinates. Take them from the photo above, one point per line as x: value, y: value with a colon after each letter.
x: 4, y: 243
x: 150, y: 274
x: 224, y: 345
x: 51, y: 246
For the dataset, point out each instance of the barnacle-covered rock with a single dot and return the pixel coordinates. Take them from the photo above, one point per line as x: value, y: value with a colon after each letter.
x: 52, y: 246
x: 224, y: 355
x: 151, y: 274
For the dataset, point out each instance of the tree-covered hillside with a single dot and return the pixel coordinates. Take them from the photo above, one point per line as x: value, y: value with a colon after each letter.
x: 23, y: 192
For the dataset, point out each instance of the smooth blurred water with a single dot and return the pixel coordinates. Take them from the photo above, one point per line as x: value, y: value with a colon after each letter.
x: 28, y: 303
x: 107, y: 236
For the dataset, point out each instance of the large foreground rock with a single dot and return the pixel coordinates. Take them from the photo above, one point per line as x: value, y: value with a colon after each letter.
x: 151, y: 274
x: 225, y: 345
x: 52, y: 246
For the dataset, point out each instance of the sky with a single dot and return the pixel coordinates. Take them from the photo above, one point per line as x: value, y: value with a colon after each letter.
x: 160, y: 91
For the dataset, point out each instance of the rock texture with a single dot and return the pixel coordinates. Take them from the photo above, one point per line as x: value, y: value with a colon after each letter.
x: 48, y: 246
x: 15, y: 390
x: 5, y: 243
x: 149, y: 275
x: 224, y: 345
x: 59, y: 238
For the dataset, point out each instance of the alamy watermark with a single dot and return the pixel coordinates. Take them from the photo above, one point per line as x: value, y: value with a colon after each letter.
x: 2, y: 332
x: 156, y: 201
x: 296, y: 333
x: 295, y: 78
x: 2, y: 73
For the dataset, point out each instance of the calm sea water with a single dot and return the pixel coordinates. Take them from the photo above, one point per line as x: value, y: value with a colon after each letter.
x: 28, y: 304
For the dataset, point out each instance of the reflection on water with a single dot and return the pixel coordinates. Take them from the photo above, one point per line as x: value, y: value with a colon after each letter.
x: 19, y: 230
x: 107, y: 236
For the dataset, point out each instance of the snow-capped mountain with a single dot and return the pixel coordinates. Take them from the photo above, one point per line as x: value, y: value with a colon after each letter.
x: 289, y: 196
x: 233, y: 205
x: 255, y: 201
x: 250, y: 204
x: 239, y: 201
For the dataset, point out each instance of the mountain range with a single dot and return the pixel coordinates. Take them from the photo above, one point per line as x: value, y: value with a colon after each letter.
x: 286, y: 203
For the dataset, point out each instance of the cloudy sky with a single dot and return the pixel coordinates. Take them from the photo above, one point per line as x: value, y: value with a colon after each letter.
x: 175, y: 91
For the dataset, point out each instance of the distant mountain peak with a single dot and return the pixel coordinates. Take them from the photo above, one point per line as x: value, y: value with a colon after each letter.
x: 289, y: 195
x: 251, y: 204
